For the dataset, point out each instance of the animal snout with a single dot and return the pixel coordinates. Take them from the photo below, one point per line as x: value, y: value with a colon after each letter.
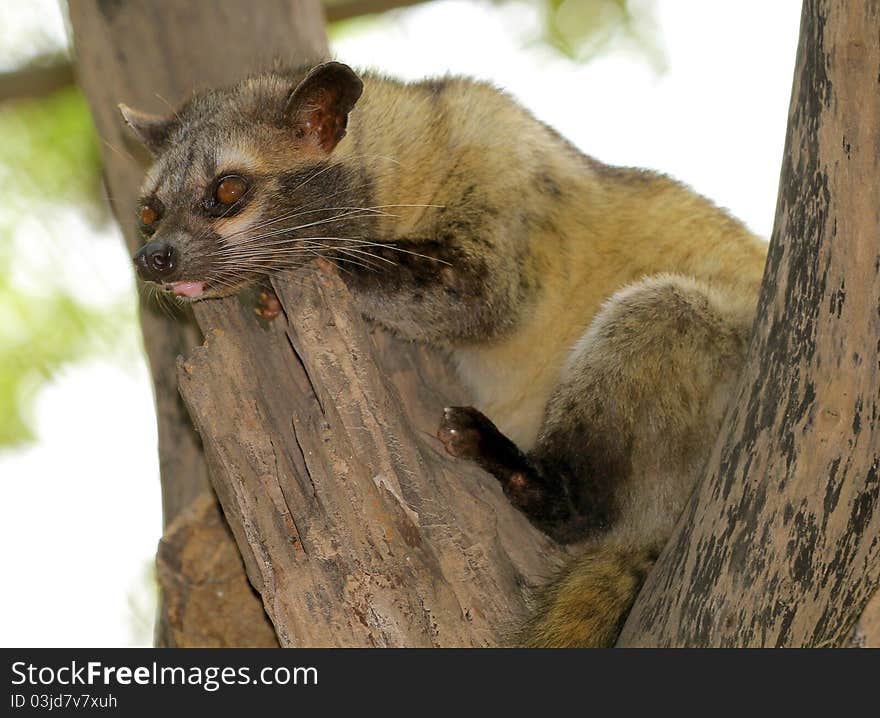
x: 155, y: 261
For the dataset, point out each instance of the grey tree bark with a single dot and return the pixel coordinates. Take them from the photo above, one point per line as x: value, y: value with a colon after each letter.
x: 780, y: 545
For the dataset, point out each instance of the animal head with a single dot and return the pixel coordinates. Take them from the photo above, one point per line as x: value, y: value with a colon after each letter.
x: 243, y: 179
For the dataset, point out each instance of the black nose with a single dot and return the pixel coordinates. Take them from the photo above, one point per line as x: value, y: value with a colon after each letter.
x: 155, y: 261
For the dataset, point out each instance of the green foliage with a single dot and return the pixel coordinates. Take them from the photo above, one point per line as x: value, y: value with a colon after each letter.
x: 38, y: 335
x: 49, y: 163
x: 581, y: 29
x: 49, y: 152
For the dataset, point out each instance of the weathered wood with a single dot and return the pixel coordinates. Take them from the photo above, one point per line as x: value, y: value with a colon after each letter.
x: 355, y: 526
x: 151, y: 56
x: 205, y: 586
x: 780, y: 545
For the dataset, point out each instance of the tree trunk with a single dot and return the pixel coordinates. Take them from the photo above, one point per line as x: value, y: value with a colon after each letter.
x: 779, y: 545
x: 152, y: 55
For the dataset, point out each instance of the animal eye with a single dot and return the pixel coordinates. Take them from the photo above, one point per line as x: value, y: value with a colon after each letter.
x: 230, y: 189
x: 148, y: 215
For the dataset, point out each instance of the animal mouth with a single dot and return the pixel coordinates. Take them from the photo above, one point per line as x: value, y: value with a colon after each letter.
x: 191, y: 290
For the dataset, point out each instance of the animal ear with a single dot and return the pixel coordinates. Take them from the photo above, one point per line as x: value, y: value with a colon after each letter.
x: 152, y: 130
x: 318, y: 108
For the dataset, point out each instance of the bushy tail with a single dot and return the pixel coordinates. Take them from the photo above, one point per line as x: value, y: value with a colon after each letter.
x: 587, y: 604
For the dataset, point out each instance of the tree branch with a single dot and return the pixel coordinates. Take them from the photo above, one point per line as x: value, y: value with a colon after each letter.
x: 355, y: 527
x: 337, y: 10
x: 35, y: 80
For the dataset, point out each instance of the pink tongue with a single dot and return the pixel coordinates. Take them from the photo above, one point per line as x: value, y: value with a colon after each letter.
x: 188, y: 289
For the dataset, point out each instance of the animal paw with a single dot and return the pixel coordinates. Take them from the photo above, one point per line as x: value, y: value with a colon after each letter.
x: 268, y: 307
x: 462, y: 431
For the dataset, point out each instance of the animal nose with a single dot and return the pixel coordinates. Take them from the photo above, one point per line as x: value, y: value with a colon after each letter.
x: 155, y: 260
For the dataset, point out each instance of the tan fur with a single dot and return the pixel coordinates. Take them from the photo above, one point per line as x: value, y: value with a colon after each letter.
x: 674, y: 342
x: 668, y: 349
x: 584, y: 305
x: 585, y: 605
x: 611, y: 227
x: 661, y: 357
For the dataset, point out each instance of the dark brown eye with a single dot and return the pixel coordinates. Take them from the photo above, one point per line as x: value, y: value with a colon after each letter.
x: 230, y: 189
x: 148, y: 215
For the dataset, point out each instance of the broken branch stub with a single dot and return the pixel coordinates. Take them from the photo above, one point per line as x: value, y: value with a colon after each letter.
x: 355, y: 526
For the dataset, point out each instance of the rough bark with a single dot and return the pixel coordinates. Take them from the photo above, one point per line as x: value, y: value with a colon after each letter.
x: 355, y: 526
x: 780, y: 545
x: 151, y: 56
x: 207, y: 599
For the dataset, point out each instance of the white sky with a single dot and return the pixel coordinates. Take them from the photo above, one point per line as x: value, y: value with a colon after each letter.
x: 80, y: 509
